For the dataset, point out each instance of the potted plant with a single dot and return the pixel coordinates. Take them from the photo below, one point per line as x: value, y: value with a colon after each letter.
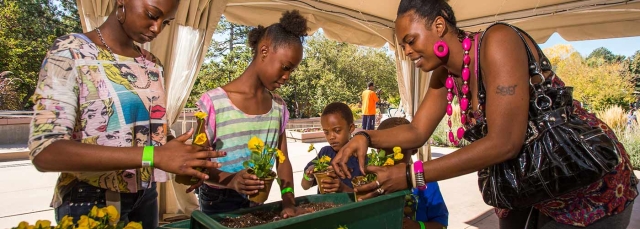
x: 200, y: 139
x: 260, y: 164
x: 377, y: 158
x: 321, y: 168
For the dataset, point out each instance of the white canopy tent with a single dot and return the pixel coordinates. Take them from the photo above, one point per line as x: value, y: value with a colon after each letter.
x: 182, y: 46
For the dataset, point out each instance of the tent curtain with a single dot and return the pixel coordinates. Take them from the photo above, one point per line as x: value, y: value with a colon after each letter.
x: 94, y: 12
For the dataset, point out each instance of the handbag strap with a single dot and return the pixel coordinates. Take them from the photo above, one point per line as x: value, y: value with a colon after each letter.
x: 535, y: 68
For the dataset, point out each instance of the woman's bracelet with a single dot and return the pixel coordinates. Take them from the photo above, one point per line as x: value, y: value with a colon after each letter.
x: 413, y: 176
x: 365, y: 135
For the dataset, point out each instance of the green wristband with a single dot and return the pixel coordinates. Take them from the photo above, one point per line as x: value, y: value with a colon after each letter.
x: 147, y: 156
x: 421, y: 224
x: 304, y: 175
x: 287, y: 189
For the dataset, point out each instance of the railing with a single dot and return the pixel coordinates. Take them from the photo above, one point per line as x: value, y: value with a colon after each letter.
x: 16, y: 114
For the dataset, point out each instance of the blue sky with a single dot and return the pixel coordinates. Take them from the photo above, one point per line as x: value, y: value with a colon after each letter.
x: 620, y: 46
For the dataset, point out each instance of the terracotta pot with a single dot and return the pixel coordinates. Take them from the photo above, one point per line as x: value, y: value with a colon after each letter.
x: 263, y: 194
x: 322, y: 176
x: 357, y: 182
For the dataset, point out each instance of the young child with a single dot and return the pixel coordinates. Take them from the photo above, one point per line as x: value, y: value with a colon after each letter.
x: 337, y: 125
x: 427, y: 207
x: 247, y: 107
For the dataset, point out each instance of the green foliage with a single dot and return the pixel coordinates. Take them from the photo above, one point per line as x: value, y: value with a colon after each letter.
x: 602, y: 56
x: 335, y: 71
x: 597, y: 86
x: 27, y: 30
x: 226, y: 59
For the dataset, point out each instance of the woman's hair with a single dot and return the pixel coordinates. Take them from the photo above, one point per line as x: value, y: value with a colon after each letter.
x: 291, y: 29
x: 341, y: 109
x: 428, y: 10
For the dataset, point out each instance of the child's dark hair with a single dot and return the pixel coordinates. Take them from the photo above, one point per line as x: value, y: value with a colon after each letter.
x: 370, y: 84
x: 429, y: 10
x: 291, y: 29
x: 339, y: 108
x: 393, y: 122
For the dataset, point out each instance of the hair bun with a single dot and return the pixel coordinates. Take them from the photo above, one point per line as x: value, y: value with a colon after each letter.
x: 294, y: 23
x: 255, y: 35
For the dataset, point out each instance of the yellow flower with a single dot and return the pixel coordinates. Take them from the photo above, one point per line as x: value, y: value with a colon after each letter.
x: 23, y: 225
x: 398, y: 156
x: 397, y: 150
x: 66, y: 222
x: 112, y: 212
x: 133, y: 225
x: 200, y: 115
x: 101, y: 213
x: 200, y: 139
x: 388, y: 162
x: 94, y: 211
x: 325, y: 159
x: 83, y: 222
x: 82, y: 227
x: 255, y: 144
x: 311, y: 147
x: 43, y: 224
x: 93, y: 223
x: 281, y: 156
x: 31, y: 227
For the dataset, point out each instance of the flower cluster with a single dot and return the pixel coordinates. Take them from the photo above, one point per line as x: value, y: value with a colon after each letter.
x: 261, y: 157
x: 98, y: 218
x: 320, y: 164
x: 381, y: 158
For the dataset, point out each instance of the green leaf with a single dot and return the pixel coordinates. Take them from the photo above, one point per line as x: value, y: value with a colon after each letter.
x: 246, y: 164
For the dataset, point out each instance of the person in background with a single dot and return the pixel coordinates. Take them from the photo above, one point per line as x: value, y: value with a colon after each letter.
x: 369, y: 100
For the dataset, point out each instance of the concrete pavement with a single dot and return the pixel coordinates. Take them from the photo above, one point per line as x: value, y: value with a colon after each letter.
x: 25, y: 193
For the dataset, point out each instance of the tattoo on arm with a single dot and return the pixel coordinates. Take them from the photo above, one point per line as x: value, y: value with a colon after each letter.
x: 506, y: 90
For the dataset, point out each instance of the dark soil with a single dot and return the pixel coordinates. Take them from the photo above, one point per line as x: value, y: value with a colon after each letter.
x: 263, y: 217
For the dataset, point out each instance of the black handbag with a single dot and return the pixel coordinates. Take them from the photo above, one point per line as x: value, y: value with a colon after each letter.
x: 561, y: 152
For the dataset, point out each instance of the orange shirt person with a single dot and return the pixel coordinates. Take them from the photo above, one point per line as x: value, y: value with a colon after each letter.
x: 369, y: 100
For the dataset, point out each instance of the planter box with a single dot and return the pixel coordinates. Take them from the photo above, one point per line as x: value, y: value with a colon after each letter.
x: 306, y: 135
x: 381, y: 212
x: 310, y: 135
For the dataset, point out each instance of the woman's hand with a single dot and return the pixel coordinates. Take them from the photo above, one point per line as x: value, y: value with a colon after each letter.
x: 357, y: 146
x: 246, y: 183
x: 182, y: 159
x: 390, y: 178
x: 331, y: 184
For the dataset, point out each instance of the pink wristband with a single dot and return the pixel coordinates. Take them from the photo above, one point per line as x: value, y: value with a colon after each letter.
x: 419, y: 171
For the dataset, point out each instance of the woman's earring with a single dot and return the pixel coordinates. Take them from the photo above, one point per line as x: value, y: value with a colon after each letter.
x: 118, y: 17
x: 445, y: 49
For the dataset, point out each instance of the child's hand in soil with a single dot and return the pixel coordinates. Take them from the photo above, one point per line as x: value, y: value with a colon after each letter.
x: 246, y: 183
x: 292, y: 211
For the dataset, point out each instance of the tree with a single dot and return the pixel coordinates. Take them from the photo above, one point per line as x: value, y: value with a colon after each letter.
x: 634, y: 69
x: 227, y: 57
x: 597, y: 86
x: 27, y: 30
x: 337, y: 72
x: 603, y: 55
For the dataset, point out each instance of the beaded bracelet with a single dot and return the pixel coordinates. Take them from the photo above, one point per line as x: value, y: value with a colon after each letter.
x: 365, y: 135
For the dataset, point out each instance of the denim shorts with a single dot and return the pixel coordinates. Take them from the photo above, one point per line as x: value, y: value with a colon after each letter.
x: 218, y: 200
x: 138, y: 207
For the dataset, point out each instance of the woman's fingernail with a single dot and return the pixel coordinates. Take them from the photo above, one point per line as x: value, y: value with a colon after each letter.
x: 206, y: 177
x: 261, y: 186
x: 224, y: 154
